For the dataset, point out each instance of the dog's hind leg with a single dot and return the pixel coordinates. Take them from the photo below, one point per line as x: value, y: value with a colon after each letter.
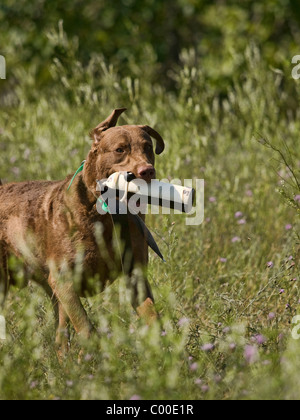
x: 62, y: 339
x: 70, y: 305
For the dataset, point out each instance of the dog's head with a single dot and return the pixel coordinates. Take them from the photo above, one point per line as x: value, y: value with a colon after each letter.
x: 127, y: 148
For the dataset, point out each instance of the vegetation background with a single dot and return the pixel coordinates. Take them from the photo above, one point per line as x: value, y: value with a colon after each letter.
x: 214, y: 77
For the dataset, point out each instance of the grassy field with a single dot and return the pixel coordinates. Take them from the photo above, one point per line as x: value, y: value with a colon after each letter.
x: 230, y: 287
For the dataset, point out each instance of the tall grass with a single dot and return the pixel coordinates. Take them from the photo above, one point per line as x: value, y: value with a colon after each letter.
x: 229, y: 289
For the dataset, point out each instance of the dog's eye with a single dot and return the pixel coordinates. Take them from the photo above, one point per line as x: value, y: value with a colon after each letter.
x: 120, y: 150
x: 148, y: 148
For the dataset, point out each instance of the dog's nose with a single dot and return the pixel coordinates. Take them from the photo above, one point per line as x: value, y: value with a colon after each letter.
x: 147, y: 173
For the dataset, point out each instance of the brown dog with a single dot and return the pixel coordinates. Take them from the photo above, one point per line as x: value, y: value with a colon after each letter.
x: 48, y: 227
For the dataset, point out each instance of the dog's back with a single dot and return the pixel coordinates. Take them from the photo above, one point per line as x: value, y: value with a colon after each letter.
x: 27, y: 208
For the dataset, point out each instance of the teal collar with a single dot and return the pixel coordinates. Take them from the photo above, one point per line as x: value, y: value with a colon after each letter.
x: 80, y: 169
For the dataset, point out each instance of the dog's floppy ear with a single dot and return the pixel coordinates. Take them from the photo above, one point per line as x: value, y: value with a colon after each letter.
x: 110, y: 122
x: 160, y: 144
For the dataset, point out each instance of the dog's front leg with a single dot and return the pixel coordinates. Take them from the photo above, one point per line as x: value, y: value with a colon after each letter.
x: 141, y: 293
x: 71, y: 304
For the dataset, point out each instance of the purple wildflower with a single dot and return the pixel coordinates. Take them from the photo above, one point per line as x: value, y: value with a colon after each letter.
x: 281, y: 291
x: 226, y: 330
x: 205, y: 388
x: 251, y: 354
x: 288, y: 227
x: 183, y: 321
x: 194, y: 367
x: 238, y: 215
x: 249, y: 193
x: 208, y: 347
x: 242, y: 222
x: 223, y: 260
x: 218, y: 379
x: 212, y: 199
x: 236, y: 239
x: 260, y: 339
x: 297, y: 198
x: 270, y: 264
x: 272, y: 315
x: 33, y: 384
x: 135, y: 398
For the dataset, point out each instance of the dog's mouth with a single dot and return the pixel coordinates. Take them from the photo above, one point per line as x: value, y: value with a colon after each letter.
x: 130, y: 176
x: 147, y: 175
x: 112, y: 185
